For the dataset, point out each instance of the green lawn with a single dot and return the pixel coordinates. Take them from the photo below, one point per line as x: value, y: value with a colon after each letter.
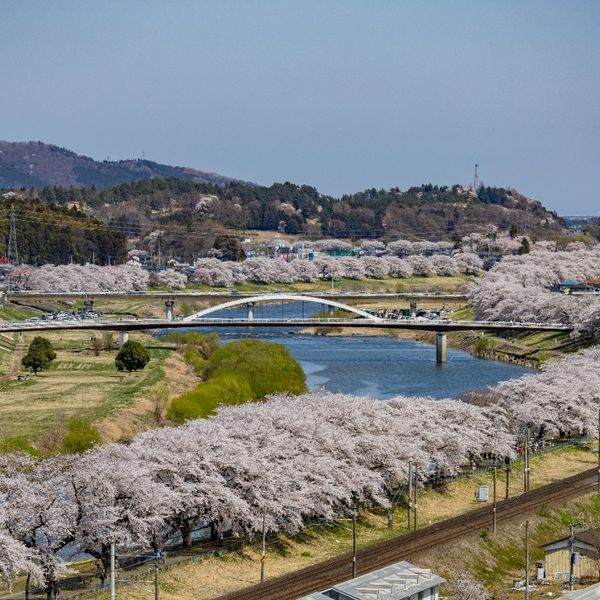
x: 78, y: 383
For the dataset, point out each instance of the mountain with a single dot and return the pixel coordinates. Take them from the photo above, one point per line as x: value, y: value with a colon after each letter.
x: 35, y: 164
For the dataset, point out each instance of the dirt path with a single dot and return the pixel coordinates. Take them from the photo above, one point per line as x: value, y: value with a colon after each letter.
x: 16, y: 364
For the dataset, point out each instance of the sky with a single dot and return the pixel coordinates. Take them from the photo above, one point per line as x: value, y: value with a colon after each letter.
x: 343, y: 95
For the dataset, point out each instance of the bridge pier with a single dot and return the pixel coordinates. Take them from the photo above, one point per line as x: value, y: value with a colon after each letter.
x: 413, y: 309
x: 169, y: 309
x: 123, y: 338
x: 250, y: 315
x: 88, y: 304
x: 441, y: 341
x: 330, y: 310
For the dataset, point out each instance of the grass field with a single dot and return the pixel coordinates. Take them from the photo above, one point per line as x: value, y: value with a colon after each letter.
x: 212, y: 576
x: 78, y: 383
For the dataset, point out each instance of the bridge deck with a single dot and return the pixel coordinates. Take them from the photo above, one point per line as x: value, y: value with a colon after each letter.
x: 149, y: 324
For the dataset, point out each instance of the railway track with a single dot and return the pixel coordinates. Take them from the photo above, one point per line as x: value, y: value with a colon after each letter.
x: 324, y: 574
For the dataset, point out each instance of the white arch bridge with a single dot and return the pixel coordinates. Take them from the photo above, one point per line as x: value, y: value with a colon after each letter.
x: 267, y: 298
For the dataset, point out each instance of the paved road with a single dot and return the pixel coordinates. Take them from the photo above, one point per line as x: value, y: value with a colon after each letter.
x: 142, y: 324
x: 443, y: 534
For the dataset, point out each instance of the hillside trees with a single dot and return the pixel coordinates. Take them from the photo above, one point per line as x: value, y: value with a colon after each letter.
x: 60, y: 235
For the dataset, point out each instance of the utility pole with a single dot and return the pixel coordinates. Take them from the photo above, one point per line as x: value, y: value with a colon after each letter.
x: 157, y: 557
x: 598, y: 449
x: 263, y: 554
x: 475, y: 178
x: 415, y: 502
x: 494, y: 507
x: 526, y: 462
x: 112, y: 571
x: 526, y: 560
x: 354, y: 543
x: 12, y: 251
x: 571, y: 556
x: 410, y: 495
x: 507, y: 464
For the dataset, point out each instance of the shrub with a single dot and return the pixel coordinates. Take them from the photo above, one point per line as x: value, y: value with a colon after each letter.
x: 81, y: 436
x: 204, y: 343
x: 266, y: 366
x: 133, y: 356
x: 238, y: 372
x: 17, y: 444
x: 198, y: 364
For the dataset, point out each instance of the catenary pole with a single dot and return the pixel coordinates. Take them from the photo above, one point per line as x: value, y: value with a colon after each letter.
x: 494, y: 507
x: 410, y: 496
x: 354, y: 543
x: 571, y: 556
x: 415, y: 502
x: 598, y: 449
x: 526, y: 560
x: 263, y: 554
x: 156, y: 573
x: 112, y: 572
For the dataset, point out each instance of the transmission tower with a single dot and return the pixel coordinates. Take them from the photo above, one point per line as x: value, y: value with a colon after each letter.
x: 12, y: 251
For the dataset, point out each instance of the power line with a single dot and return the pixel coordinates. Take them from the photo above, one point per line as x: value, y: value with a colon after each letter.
x: 12, y: 252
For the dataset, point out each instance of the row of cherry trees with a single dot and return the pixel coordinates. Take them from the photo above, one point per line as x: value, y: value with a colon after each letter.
x: 293, y: 458
x: 211, y: 271
x: 93, y: 278
x: 522, y: 288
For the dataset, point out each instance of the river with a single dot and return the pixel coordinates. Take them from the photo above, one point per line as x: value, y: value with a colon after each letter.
x: 380, y: 367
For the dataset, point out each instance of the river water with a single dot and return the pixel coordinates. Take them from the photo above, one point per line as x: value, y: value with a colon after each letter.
x: 380, y: 367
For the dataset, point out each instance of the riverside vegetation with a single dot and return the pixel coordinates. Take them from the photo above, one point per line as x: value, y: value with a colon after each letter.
x: 238, y: 372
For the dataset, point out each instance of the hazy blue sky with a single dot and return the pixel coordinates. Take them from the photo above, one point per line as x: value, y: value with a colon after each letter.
x: 343, y: 95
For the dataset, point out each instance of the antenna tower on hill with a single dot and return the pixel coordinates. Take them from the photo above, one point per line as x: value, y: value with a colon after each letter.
x: 12, y: 251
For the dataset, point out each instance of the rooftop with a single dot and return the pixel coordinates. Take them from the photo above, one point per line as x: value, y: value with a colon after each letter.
x: 591, y: 537
x: 396, y: 582
x: 592, y: 592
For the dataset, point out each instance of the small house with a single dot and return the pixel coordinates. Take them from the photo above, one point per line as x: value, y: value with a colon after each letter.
x: 586, y: 546
x: 400, y: 581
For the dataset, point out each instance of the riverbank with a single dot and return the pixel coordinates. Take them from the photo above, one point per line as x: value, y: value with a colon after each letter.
x: 528, y: 350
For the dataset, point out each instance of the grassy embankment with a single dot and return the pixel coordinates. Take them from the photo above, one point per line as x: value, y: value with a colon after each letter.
x: 238, y: 372
x: 80, y: 383
x: 494, y: 560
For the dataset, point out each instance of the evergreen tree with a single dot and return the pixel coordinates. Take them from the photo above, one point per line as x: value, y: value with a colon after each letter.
x: 133, y: 356
x: 39, y: 355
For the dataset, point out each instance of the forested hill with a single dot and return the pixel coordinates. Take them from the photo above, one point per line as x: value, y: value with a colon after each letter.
x: 59, y: 235
x: 425, y: 212
x: 35, y: 164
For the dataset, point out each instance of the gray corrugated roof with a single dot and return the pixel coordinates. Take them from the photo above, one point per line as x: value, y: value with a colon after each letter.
x: 592, y: 592
x: 396, y: 582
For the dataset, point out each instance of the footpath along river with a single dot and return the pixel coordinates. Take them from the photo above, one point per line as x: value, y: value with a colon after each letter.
x: 376, y: 366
